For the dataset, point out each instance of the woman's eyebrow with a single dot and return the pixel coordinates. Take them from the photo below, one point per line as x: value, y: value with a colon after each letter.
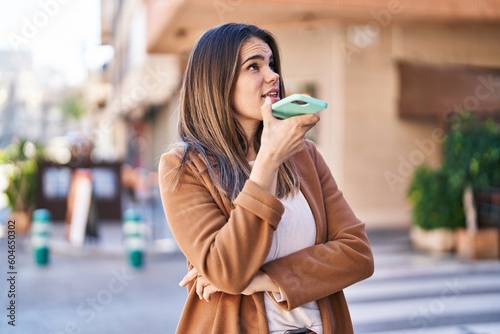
x: 257, y: 57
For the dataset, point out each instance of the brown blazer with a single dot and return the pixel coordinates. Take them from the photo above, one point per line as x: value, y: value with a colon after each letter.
x: 228, y: 246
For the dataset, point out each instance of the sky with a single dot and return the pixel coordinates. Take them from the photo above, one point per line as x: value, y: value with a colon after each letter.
x: 60, y: 34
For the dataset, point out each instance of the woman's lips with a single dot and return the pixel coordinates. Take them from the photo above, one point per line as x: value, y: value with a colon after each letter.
x: 274, y: 95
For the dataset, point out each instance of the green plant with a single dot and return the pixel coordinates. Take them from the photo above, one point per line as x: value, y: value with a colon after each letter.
x: 472, y: 150
x: 471, y: 156
x: 73, y: 107
x: 18, y: 163
x: 436, y: 199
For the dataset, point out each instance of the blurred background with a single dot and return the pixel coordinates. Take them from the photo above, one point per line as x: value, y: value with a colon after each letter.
x: 88, y: 102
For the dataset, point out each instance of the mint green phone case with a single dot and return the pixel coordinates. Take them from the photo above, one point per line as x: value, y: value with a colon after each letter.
x: 297, y: 104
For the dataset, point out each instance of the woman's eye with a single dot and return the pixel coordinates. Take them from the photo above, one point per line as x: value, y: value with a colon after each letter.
x: 253, y: 67
x: 272, y: 66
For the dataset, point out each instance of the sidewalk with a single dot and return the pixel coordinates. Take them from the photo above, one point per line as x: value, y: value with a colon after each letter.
x: 418, y: 292
x: 410, y: 292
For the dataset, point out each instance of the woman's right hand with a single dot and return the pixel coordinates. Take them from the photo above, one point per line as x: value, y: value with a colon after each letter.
x: 281, y: 138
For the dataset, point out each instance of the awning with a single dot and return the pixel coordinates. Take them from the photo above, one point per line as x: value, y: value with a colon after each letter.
x: 175, y: 25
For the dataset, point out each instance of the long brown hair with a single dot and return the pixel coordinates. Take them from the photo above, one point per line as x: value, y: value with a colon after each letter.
x: 207, y: 123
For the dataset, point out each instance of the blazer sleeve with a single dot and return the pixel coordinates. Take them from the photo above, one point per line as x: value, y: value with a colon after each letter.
x: 326, y: 268
x: 227, y: 248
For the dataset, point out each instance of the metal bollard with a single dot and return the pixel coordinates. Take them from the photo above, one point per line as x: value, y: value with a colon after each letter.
x: 40, y: 235
x: 134, y: 234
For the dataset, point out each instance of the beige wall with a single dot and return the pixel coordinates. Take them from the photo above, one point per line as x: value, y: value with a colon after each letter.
x: 370, y: 149
x: 164, y: 130
x: 475, y: 44
x: 359, y: 134
x: 376, y: 139
x: 309, y: 55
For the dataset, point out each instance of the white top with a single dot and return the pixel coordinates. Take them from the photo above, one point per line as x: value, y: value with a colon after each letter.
x: 296, y: 231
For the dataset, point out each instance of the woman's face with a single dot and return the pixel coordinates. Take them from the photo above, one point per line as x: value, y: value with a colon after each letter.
x: 256, y: 79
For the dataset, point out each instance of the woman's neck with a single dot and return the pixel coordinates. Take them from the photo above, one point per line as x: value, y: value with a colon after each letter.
x: 250, y: 132
x: 251, y: 154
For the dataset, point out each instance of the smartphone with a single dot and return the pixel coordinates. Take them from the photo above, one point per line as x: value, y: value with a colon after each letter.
x: 297, y: 104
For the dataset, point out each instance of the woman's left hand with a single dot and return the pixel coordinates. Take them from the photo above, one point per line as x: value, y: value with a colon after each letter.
x: 260, y: 282
x: 204, y: 288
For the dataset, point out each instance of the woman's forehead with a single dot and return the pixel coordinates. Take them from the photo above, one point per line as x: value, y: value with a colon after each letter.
x: 255, y: 46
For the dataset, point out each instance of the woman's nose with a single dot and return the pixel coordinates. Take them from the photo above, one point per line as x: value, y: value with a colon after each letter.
x: 272, y: 76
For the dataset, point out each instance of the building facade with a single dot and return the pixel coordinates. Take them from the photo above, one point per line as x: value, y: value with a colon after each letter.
x: 352, y: 54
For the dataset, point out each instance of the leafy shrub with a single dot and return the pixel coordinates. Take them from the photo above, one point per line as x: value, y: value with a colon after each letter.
x: 471, y: 156
x: 436, y: 199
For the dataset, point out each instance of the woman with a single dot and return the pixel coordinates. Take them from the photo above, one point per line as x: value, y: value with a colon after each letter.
x: 269, y: 239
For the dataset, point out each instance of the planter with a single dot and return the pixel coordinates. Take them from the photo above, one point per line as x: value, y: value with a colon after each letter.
x: 488, y: 208
x: 22, y: 221
x: 495, y: 195
x: 437, y: 241
x: 483, y: 244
